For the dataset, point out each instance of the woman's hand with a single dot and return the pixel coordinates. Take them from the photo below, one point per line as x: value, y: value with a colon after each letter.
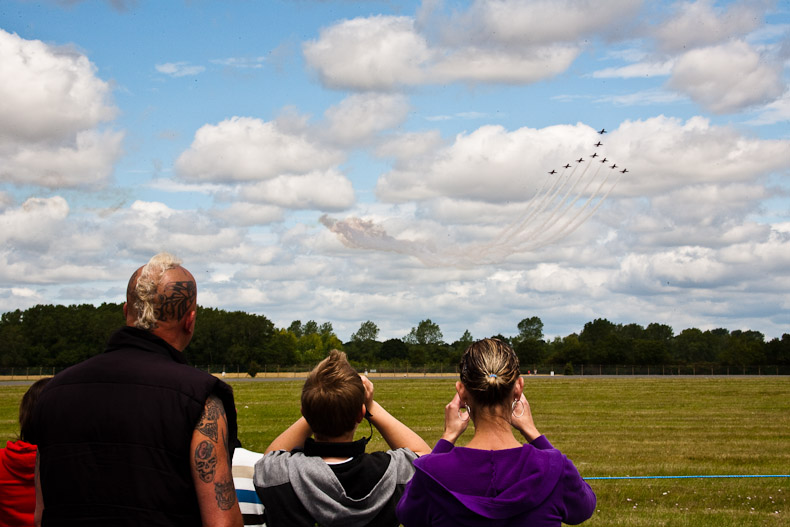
x: 522, y: 421
x: 454, y: 426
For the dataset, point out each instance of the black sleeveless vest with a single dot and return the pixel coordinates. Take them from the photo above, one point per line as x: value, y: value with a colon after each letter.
x: 114, y: 435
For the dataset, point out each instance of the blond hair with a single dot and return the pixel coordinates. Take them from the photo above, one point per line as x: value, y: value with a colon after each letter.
x: 332, y: 396
x: 489, y: 370
x: 143, y: 292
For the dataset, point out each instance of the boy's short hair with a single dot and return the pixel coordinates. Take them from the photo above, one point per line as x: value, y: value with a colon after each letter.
x: 332, y: 396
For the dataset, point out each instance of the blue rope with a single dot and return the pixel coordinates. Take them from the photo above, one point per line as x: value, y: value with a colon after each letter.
x: 689, y: 477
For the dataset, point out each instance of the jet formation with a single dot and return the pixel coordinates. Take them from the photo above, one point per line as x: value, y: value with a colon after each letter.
x: 593, y: 156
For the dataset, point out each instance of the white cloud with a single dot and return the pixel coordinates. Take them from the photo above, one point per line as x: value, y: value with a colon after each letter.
x: 52, y: 104
x: 410, y: 145
x: 359, y: 117
x: 159, y: 227
x: 775, y: 112
x: 665, y: 153
x: 641, y: 69
x: 179, y: 69
x: 88, y: 161
x: 537, y: 22
x: 717, y: 205
x: 727, y: 78
x: 700, y: 23
x: 241, y: 62
x: 248, y: 149
x: 6, y: 200
x: 476, y: 64
x: 385, y: 52
x: 34, y: 223
x: 374, y: 53
x: 642, y: 98
x: 242, y: 213
x: 48, y: 93
x: 489, y: 164
x: 328, y: 191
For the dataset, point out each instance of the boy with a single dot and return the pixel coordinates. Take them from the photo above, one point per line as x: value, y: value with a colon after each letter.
x: 330, y: 480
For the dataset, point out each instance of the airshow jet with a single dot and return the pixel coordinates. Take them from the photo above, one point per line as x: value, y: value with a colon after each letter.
x: 567, y: 166
x: 602, y: 131
x: 580, y: 160
x: 613, y: 166
x: 623, y: 171
x: 598, y: 143
x: 595, y: 154
x: 553, y: 172
x: 603, y: 160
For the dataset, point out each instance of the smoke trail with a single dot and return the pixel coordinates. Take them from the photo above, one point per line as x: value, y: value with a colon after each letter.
x: 559, y: 207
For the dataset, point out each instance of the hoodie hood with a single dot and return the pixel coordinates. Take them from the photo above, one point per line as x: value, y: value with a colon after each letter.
x: 321, y: 492
x: 20, y: 460
x: 496, y: 484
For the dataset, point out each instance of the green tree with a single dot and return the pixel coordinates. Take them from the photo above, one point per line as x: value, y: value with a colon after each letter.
x: 426, y: 332
x: 363, y: 346
x: 777, y: 351
x: 530, y: 328
x: 744, y: 348
x: 282, y: 349
x: 367, y: 331
x: 310, y: 328
x: 296, y: 328
x: 529, y: 345
x: 311, y: 348
x: 461, y: 344
x: 568, y: 349
x: 692, y: 346
x: 394, y: 350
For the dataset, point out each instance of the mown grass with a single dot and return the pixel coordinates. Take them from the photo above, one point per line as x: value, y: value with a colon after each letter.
x: 608, y: 427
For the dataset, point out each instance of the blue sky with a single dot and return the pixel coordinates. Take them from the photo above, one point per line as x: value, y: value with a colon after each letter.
x: 389, y: 161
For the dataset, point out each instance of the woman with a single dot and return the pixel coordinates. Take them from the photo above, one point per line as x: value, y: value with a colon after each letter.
x: 494, y: 479
x: 17, y: 467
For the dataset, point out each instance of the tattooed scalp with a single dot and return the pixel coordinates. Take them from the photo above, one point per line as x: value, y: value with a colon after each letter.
x: 177, y: 299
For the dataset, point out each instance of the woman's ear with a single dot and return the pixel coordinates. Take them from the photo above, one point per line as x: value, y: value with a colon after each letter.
x: 518, y: 388
x: 461, y: 389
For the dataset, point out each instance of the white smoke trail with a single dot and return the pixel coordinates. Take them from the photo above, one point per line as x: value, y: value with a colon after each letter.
x: 556, y: 210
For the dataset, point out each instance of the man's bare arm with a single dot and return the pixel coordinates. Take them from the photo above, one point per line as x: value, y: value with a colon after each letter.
x: 211, y: 468
x: 292, y: 437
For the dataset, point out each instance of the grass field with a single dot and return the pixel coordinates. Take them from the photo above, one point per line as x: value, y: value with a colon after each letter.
x: 608, y: 427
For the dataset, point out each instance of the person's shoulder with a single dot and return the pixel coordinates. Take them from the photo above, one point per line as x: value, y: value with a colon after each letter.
x: 274, y: 467
x: 244, y: 457
x: 279, y: 457
x: 401, y: 461
x: 401, y: 453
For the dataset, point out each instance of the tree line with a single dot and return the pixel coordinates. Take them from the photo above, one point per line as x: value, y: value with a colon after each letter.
x: 58, y: 336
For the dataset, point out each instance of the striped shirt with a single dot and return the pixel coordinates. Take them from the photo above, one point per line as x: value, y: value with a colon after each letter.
x: 243, y: 468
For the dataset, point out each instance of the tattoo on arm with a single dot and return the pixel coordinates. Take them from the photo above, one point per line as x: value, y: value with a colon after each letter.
x: 211, y: 463
x: 225, y: 493
x: 205, y: 461
x: 176, y: 300
x: 208, y: 421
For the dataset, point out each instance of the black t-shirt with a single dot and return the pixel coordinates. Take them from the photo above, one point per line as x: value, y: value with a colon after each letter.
x: 361, y: 474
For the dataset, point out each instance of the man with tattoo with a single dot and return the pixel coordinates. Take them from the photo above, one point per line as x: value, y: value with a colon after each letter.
x: 134, y: 435
x: 331, y: 480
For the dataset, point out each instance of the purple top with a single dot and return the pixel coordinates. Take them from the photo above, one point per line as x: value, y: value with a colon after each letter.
x: 534, y: 485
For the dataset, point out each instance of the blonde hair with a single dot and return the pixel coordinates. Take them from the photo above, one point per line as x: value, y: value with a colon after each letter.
x: 143, y: 292
x: 489, y: 369
x: 332, y: 396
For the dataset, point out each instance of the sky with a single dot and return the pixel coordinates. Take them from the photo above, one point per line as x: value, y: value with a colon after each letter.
x: 398, y: 161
